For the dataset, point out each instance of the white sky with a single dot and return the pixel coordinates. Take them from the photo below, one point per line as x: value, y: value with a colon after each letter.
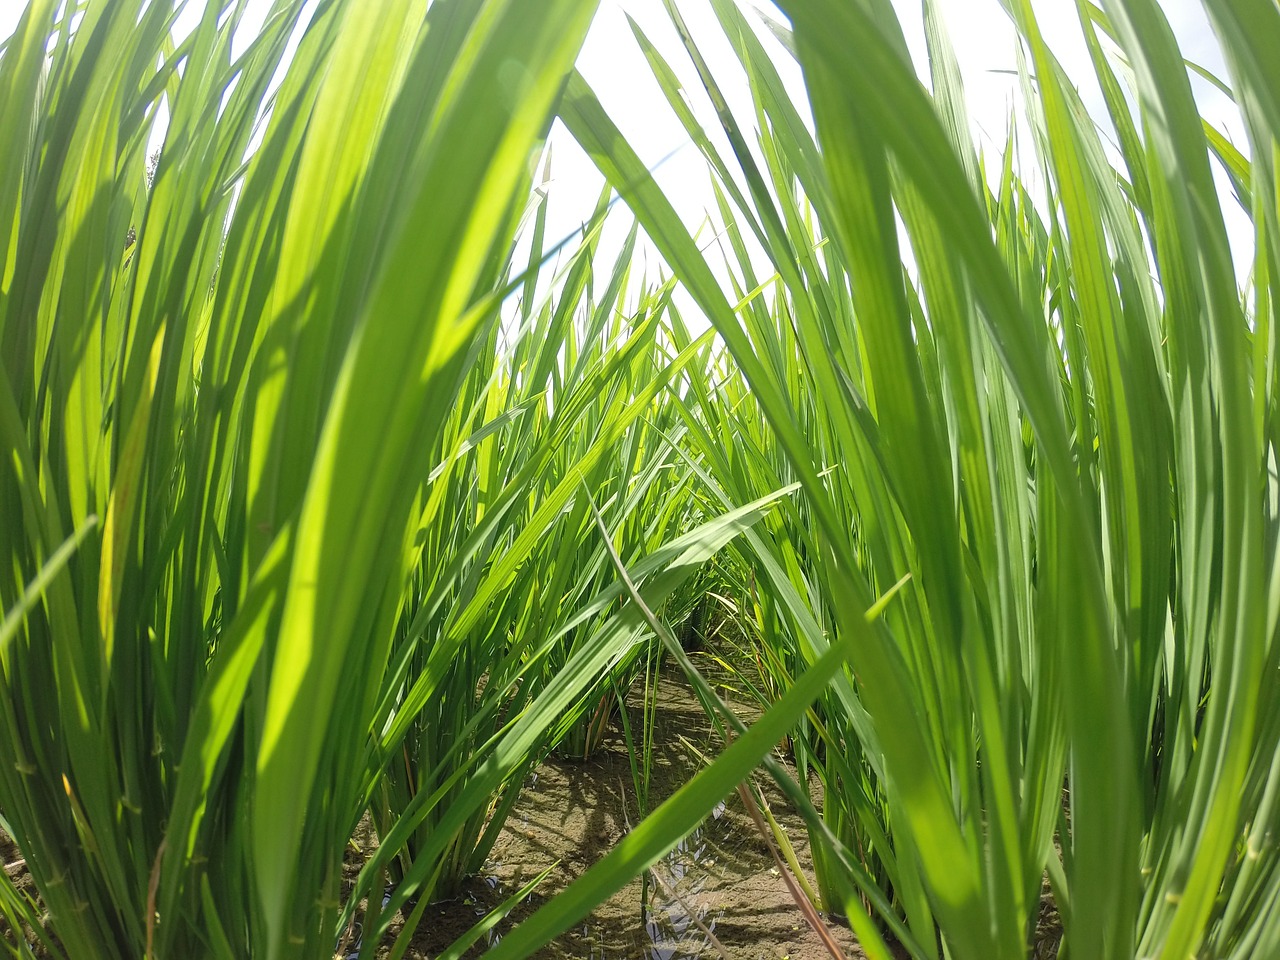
x: 980, y: 31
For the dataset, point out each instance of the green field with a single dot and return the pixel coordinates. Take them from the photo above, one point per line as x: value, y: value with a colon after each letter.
x: 337, y: 494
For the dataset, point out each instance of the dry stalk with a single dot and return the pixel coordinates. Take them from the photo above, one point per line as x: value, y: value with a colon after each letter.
x: 806, y: 908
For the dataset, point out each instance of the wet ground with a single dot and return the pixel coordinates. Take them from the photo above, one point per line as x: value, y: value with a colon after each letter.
x: 719, y: 882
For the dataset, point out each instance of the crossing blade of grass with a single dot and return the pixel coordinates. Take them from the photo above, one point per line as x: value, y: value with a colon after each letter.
x: 35, y: 589
x: 658, y: 833
x: 491, y: 919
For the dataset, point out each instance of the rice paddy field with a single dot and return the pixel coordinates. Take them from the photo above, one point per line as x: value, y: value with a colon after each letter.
x: 888, y: 569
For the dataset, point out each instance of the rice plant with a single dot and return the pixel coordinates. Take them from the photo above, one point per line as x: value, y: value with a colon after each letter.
x: 247, y: 399
x: 319, y: 502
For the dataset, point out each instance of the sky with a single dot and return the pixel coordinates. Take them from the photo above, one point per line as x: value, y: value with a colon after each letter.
x: 981, y: 33
x: 612, y: 63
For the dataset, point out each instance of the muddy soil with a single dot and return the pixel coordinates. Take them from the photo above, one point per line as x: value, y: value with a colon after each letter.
x: 719, y: 882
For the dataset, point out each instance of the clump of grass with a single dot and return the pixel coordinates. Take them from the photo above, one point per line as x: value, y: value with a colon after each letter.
x: 249, y: 401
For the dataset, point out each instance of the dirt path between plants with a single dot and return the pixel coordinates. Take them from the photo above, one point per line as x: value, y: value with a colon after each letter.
x: 575, y: 811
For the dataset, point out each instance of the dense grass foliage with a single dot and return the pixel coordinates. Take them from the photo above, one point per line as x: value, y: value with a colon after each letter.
x: 264, y: 403
x: 1053, y: 412
x: 318, y: 503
